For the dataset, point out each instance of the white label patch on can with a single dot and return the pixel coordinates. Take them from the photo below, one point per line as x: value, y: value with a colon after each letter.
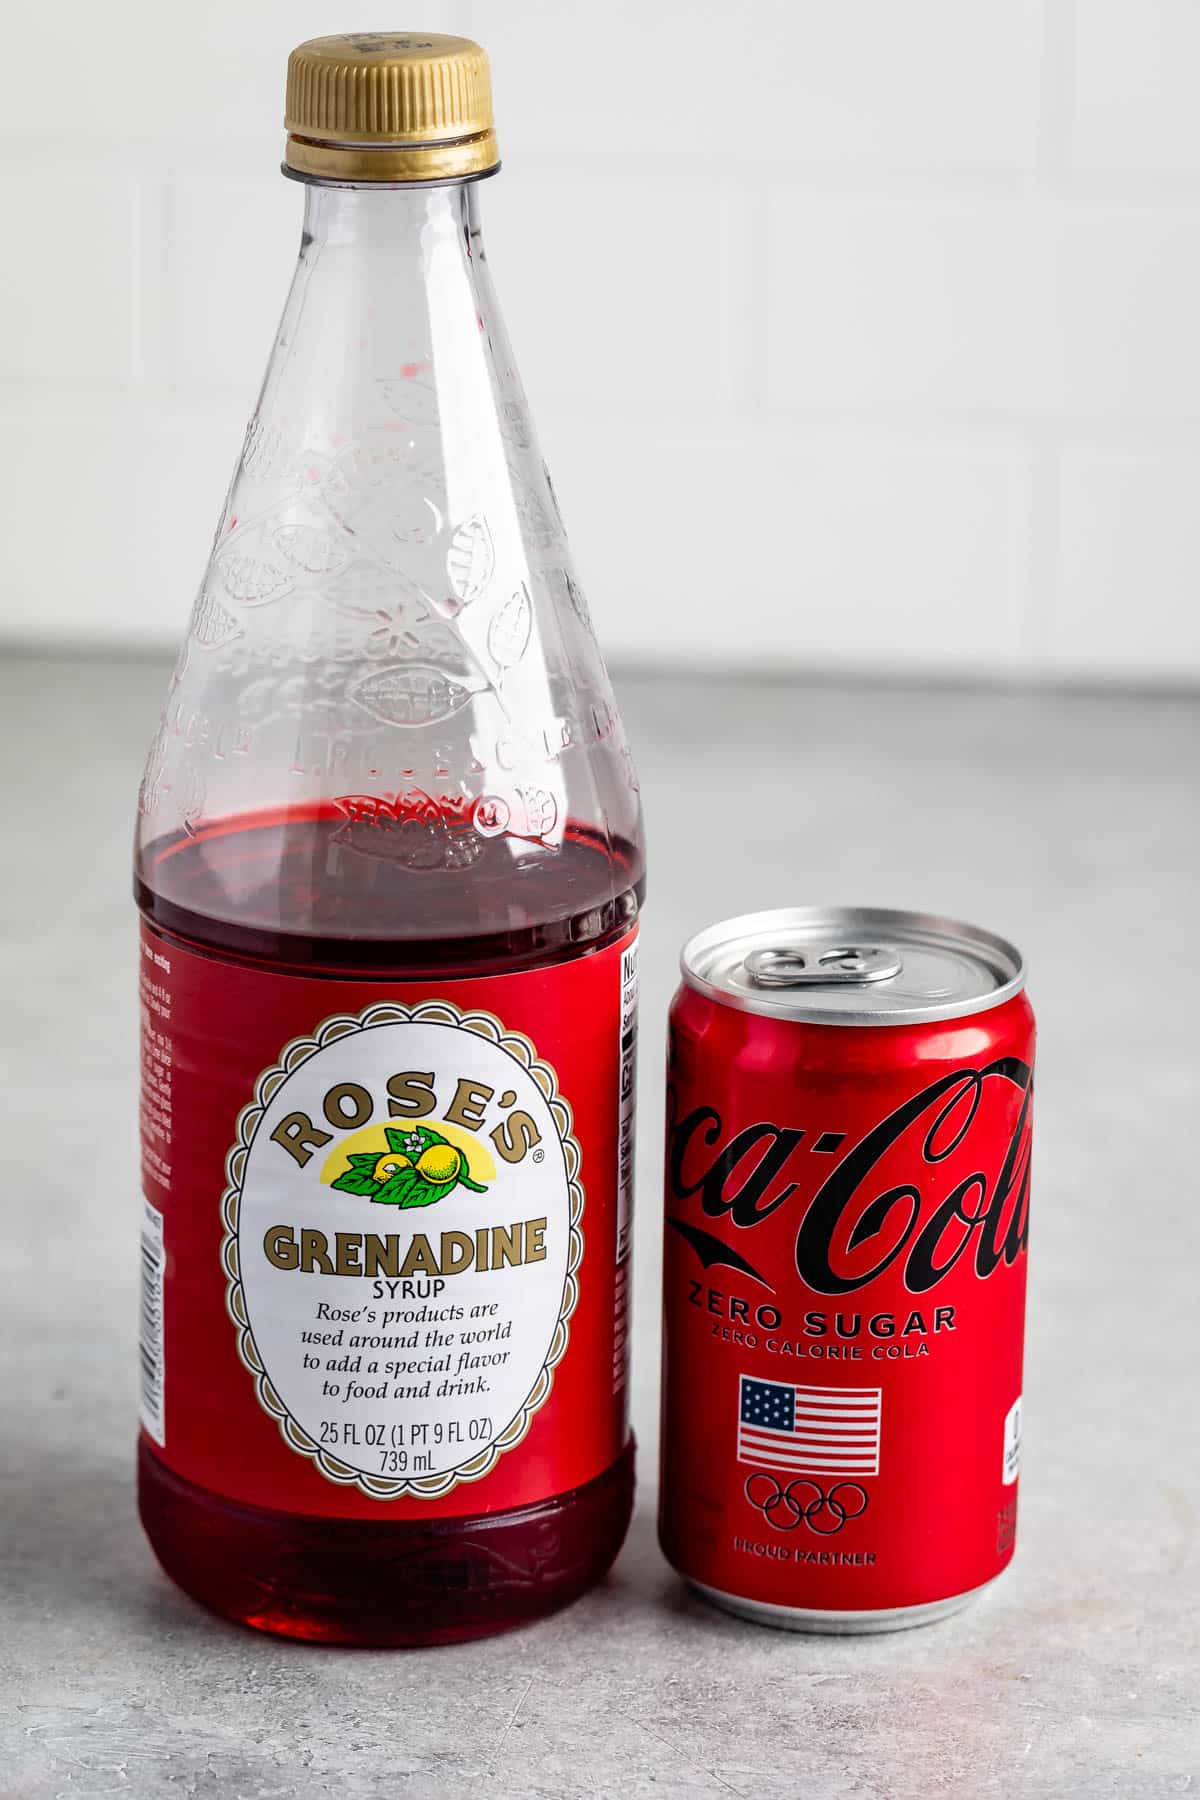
x: 404, y: 1230
x: 1012, y: 1443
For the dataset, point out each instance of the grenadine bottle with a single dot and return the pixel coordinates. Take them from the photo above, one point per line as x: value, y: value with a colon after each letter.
x: 389, y: 866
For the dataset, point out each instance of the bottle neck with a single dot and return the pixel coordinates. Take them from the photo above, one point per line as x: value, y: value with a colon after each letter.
x: 383, y: 321
x: 408, y: 223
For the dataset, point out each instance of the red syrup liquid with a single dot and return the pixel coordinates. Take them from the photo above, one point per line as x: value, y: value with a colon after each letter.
x: 312, y: 893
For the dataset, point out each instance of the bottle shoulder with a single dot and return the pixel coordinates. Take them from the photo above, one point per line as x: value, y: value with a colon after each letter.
x: 391, y: 698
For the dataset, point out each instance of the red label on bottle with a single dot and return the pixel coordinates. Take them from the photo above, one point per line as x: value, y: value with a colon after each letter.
x: 386, y: 1232
x: 846, y: 1224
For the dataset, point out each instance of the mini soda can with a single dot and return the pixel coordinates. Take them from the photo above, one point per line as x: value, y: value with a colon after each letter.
x: 847, y: 1213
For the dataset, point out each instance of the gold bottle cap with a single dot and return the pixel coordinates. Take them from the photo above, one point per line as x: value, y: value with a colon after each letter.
x: 373, y: 106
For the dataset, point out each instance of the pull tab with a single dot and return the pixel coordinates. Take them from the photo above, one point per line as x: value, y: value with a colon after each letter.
x: 841, y: 965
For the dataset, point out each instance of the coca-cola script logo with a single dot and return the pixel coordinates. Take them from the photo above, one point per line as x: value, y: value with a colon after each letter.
x: 887, y: 1197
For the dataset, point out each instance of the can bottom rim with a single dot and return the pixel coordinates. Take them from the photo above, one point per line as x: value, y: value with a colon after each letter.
x: 840, y: 1624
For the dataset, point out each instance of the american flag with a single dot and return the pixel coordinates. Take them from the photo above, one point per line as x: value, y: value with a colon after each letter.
x: 818, y: 1430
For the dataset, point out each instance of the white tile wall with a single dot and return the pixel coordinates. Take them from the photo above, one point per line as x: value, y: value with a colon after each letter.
x: 650, y: 327
x: 1130, y: 554
x: 927, y: 84
x: 858, y: 336
x: 869, y: 553
x: 70, y: 299
x: 1017, y: 307
x: 230, y: 242
x: 111, y: 513
x: 1135, y: 106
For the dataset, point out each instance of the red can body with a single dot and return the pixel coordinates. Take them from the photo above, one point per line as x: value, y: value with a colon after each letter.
x: 845, y: 1253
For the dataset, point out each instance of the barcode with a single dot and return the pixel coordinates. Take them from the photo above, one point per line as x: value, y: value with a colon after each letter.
x: 150, y: 1346
x: 625, y: 1100
x: 621, y: 1328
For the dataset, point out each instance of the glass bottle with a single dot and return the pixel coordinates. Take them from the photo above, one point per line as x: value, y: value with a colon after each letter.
x: 389, y: 865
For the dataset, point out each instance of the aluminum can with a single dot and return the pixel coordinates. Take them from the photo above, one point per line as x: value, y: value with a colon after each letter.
x: 847, y: 1213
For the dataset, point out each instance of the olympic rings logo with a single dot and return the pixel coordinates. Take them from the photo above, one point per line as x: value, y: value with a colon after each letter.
x: 825, y: 1513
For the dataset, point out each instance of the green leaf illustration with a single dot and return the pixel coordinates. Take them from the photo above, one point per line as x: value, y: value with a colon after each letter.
x: 356, y: 1181
x: 422, y: 1193
x: 406, y: 1186
x: 395, y: 1190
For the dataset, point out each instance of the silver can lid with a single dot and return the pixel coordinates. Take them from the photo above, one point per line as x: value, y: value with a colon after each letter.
x: 852, y: 965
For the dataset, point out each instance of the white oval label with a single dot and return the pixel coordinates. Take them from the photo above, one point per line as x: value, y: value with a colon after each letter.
x: 403, y: 1233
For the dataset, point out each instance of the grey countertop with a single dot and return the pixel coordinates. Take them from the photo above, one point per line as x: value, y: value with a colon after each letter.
x: 1069, y: 823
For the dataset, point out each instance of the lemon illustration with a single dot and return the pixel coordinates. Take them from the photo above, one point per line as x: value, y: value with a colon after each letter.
x: 389, y: 1164
x: 440, y: 1164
